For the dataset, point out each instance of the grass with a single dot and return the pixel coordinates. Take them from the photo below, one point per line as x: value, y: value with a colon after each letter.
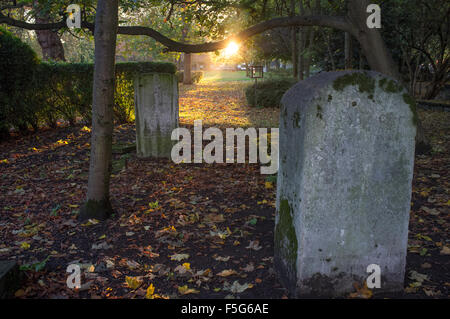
x: 224, y: 76
x: 240, y: 76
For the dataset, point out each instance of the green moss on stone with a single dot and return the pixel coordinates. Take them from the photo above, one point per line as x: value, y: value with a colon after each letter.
x: 364, y: 82
x: 389, y: 86
x: 285, y: 237
x: 319, y: 111
x: 296, y: 119
x: 412, y: 105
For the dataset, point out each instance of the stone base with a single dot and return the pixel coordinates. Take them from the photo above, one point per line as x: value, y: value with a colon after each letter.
x: 9, y: 278
x: 156, y: 145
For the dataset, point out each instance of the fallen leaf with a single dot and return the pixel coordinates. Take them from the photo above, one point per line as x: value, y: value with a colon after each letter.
x: 249, y: 268
x: 224, y: 259
x: 445, y: 250
x: 133, y: 282
x: 236, y: 287
x: 254, y: 244
x: 417, y: 278
x: 179, y: 257
x: 363, y: 293
x: 150, y: 291
x: 227, y: 272
x: 184, y: 290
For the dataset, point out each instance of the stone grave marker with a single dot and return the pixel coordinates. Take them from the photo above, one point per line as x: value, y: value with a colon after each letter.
x: 156, y: 109
x: 344, y: 183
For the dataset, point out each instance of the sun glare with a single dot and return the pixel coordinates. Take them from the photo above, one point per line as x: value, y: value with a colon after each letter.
x: 231, y: 49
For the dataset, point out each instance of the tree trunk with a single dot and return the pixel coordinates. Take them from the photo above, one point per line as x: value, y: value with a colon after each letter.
x: 106, y: 21
x: 379, y: 57
x: 301, y: 44
x: 348, y: 51
x: 307, y: 59
x: 371, y: 41
x: 294, y: 44
x: 187, y: 74
x: 49, y: 40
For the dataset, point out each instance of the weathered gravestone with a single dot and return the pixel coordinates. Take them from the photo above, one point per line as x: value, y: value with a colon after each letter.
x: 344, y: 183
x: 156, y: 109
x: 9, y: 278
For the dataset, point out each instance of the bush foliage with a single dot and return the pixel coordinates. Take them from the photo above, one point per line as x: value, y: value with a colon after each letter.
x: 34, y: 92
x: 196, y: 76
x: 268, y: 92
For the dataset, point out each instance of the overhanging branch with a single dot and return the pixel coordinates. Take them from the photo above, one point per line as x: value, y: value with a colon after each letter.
x: 337, y: 22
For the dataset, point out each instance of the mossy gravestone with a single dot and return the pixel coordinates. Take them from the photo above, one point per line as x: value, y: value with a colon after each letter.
x: 344, y: 183
x: 156, y: 109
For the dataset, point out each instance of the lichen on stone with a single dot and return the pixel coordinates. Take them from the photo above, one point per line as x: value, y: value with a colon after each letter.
x: 389, y: 86
x: 319, y: 111
x: 285, y: 236
x: 296, y: 119
x: 412, y: 105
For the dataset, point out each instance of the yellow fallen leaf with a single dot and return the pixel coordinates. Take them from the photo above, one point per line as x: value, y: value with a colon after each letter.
x: 184, y: 290
x: 150, y: 292
x: 268, y: 185
x: 25, y: 245
x: 19, y: 293
x: 133, y: 282
x: 102, y: 237
x: 187, y: 266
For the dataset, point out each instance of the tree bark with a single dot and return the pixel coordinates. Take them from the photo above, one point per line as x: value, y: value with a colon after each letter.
x: 187, y: 74
x: 348, y: 51
x: 372, y: 43
x: 294, y: 44
x: 301, y: 43
x: 49, y: 40
x: 379, y: 57
x: 106, y: 21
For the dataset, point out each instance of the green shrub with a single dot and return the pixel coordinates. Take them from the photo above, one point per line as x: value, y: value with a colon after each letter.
x: 268, y: 92
x: 196, y: 76
x: 32, y: 92
x: 17, y: 67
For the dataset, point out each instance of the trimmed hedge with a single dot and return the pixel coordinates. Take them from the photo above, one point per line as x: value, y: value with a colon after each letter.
x: 17, y: 62
x: 268, y: 92
x: 34, y: 92
x: 196, y: 76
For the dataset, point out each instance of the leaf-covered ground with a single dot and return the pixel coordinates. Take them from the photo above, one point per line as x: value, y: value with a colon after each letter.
x: 182, y: 231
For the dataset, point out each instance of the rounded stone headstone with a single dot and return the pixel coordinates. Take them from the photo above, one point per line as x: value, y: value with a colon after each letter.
x: 344, y: 183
